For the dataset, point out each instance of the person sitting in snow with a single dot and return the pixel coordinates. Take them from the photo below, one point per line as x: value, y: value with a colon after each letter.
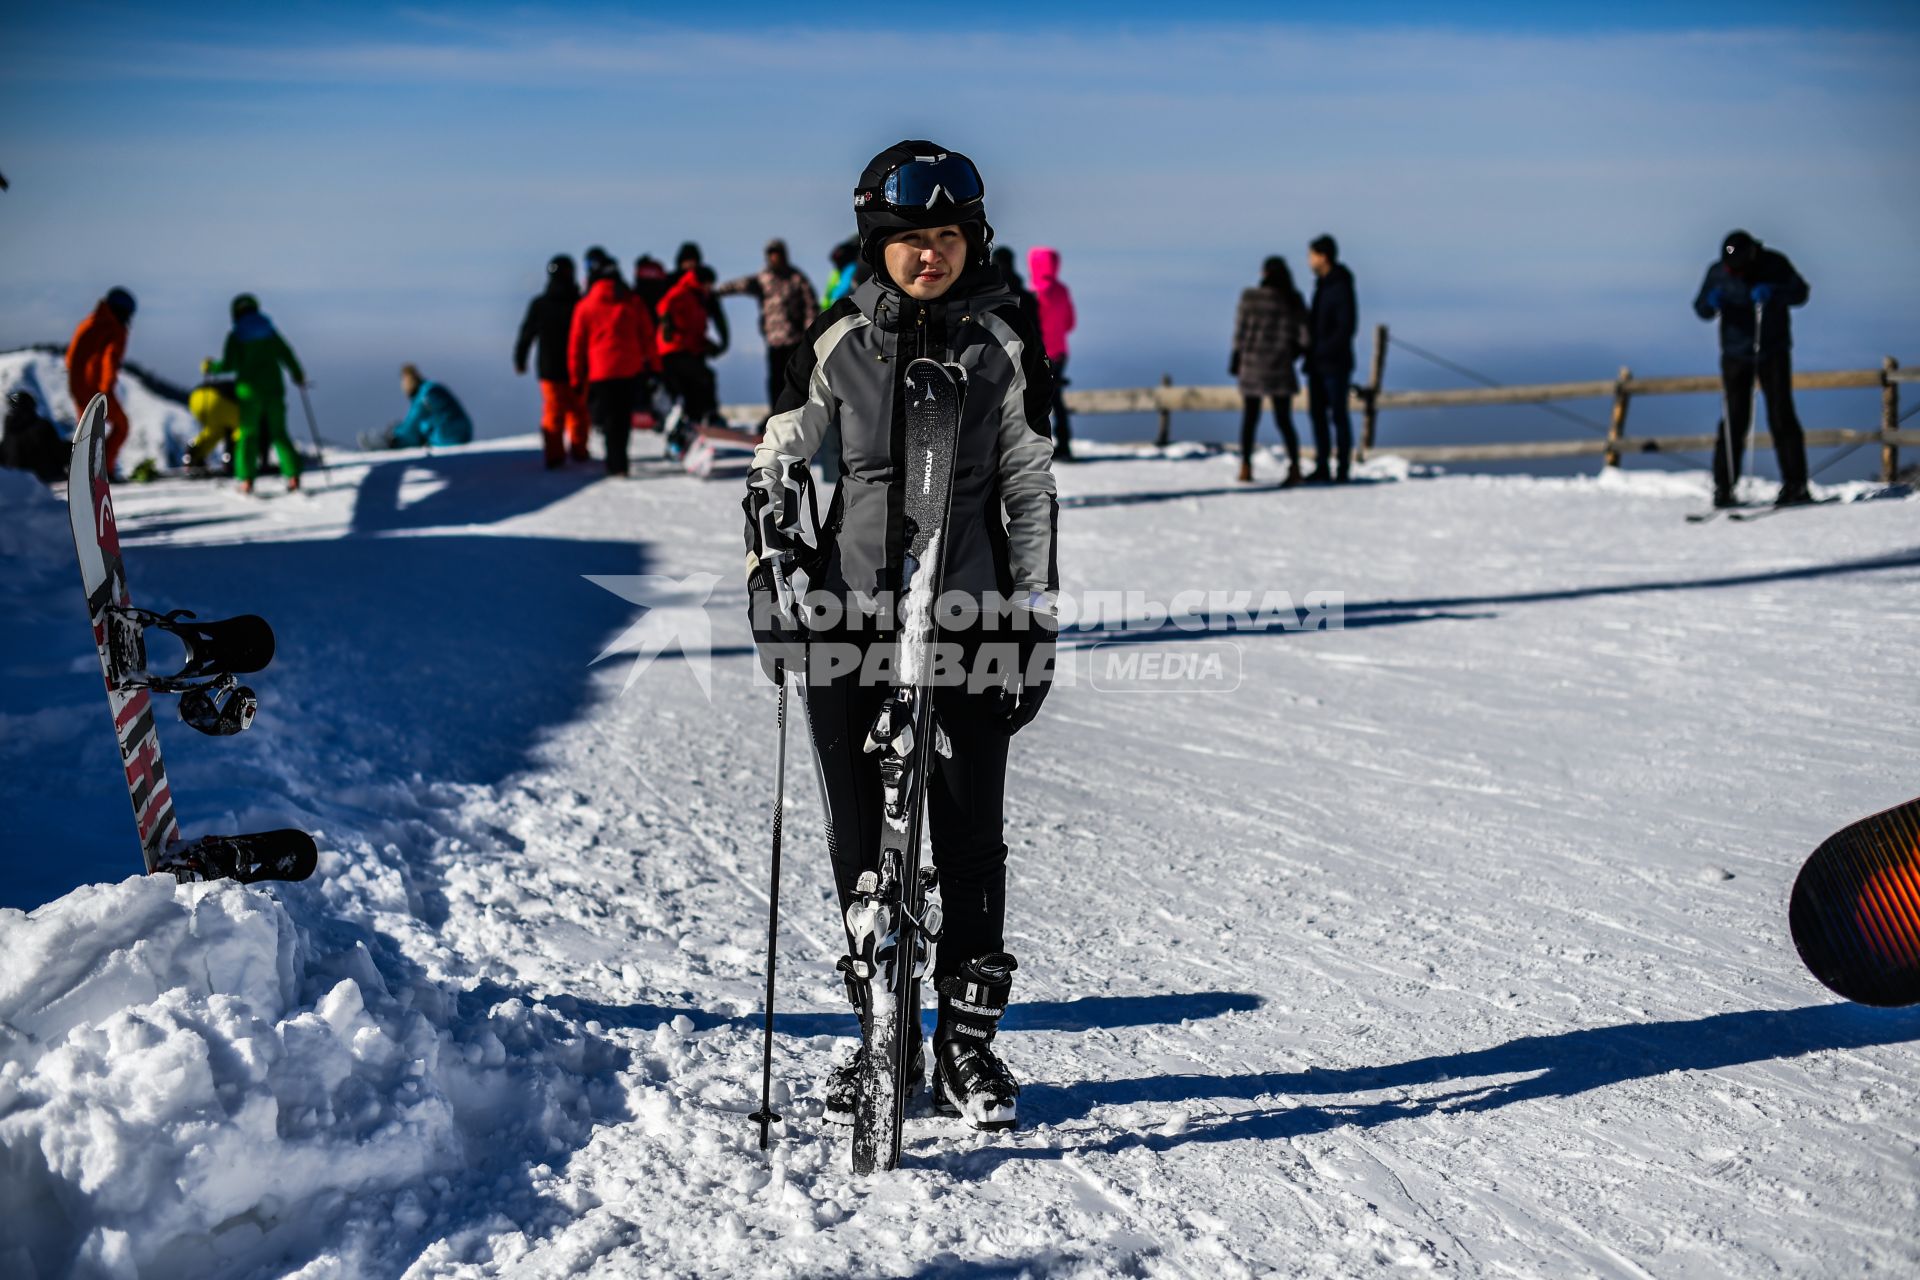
x: 32, y: 443
x: 434, y: 417
x: 215, y: 405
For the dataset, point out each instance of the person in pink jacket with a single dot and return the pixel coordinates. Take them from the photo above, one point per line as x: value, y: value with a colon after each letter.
x: 1056, y: 322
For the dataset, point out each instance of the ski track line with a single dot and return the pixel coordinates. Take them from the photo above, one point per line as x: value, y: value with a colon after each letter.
x: 721, y: 857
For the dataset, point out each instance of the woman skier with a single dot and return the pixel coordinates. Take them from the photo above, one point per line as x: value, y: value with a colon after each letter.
x: 933, y: 292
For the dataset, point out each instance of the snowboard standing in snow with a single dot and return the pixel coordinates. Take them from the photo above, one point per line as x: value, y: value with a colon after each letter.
x: 211, y: 700
x: 1855, y: 911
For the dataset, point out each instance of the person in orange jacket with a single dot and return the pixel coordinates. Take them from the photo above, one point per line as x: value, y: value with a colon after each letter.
x: 93, y: 364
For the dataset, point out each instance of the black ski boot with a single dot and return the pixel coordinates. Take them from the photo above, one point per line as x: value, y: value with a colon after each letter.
x: 968, y: 1080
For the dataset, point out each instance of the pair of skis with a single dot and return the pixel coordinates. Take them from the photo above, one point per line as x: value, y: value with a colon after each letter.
x: 211, y: 699
x: 1746, y: 512
x: 899, y: 896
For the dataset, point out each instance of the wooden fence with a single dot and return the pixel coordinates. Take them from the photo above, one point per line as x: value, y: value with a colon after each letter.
x: 1370, y: 400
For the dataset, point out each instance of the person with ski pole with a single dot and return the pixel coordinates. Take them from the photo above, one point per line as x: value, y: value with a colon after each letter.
x: 1750, y: 289
x: 549, y: 322
x: 94, y: 354
x: 256, y: 353
x: 1269, y: 331
x: 920, y: 212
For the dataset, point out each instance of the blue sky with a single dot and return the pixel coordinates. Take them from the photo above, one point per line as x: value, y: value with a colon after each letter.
x: 1533, y: 190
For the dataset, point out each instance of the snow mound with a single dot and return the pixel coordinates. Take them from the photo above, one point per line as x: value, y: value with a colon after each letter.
x: 159, y: 428
x: 193, y: 1083
x: 34, y: 536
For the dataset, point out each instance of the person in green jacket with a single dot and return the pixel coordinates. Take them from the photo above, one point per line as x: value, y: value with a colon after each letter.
x: 255, y: 354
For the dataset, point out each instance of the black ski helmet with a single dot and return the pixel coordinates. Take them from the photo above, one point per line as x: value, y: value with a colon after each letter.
x: 945, y: 189
x: 560, y: 267
x: 244, y: 305
x: 1739, y: 250
x: 120, y: 302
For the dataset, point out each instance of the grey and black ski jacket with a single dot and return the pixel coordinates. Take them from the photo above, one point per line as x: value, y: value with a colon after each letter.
x: 849, y: 370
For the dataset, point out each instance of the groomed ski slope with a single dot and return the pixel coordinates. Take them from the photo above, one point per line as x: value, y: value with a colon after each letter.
x: 1452, y: 941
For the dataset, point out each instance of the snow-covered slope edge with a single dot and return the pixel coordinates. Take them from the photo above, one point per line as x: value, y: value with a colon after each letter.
x: 192, y: 1082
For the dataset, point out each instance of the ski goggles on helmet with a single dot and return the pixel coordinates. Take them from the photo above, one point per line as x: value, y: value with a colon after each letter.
x: 922, y: 181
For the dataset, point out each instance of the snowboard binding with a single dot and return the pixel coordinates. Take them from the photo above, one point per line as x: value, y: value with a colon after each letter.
x: 267, y: 855
x: 211, y: 699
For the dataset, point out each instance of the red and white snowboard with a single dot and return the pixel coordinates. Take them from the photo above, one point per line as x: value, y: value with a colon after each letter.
x: 269, y: 855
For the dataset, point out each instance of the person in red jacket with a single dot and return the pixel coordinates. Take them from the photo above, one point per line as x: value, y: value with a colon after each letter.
x: 685, y: 347
x: 611, y: 353
x: 93, y: 364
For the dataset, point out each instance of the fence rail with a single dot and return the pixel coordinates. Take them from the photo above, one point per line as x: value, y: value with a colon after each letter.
x: 1368, y: 401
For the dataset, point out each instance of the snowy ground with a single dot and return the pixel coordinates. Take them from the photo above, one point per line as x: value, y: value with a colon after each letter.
x: 1453, y: 940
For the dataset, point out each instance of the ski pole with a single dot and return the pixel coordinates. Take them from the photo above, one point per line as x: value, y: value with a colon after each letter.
x: 766, y: 1116
x: 306, y: 405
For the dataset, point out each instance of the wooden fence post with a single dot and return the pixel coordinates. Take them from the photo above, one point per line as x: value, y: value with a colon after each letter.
x: 1617, y: 425
x: 1371, y: 410
x: 1889, y: 421
x: 1165, y: 437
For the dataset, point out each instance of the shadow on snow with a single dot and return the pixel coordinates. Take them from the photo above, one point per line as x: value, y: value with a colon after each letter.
x: 1556, y: 1066
x: 1378, y: 613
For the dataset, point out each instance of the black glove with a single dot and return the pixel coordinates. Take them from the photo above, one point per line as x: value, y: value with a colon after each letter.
x: 778, y: 506
x: 1233, y: 366
x: 779, y: 636
x: 1020, y: 698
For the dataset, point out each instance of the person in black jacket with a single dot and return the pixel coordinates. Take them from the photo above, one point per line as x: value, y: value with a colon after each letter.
x: 1329, y: 365
x: 921, y: 212
x: 563, y: 411
x: 1017, y: 285
x: 1750, y: 289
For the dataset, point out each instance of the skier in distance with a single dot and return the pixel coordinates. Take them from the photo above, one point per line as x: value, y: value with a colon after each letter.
x: 921, y: 216
x: 1750, y: 288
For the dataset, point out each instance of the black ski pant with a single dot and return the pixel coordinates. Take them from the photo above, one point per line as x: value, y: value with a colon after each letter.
x: 1282, y: 418
x: 1328, y: 389
x: 966, y: 795
x: 1774, y: 373
x: 610, y: 403
x: 1062, y: 423
x: 690, y: 378
x: 777, y: 360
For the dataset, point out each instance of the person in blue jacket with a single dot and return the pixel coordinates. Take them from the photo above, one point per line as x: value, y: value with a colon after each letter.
x: 434, y: 417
